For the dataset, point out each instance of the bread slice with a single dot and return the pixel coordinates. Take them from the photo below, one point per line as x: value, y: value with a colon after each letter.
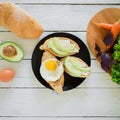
x: 68, y: 71
x: 19, y: 21
x: 58, y: 84
x: 45, y: 47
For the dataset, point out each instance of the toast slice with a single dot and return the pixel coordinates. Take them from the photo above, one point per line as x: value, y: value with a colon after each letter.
x: 46, y: 47
x: 58, y: 84
x: 81, y: 69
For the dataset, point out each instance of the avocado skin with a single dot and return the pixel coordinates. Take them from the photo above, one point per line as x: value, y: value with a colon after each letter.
x: 20, y: 52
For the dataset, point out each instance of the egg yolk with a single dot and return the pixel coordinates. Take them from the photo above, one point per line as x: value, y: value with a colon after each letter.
x: 51, y: 65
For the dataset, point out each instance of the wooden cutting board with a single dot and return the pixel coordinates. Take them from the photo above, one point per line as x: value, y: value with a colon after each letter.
x: 96, y: 34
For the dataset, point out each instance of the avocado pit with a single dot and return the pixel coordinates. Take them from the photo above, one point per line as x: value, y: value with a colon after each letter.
x: 9, y: 51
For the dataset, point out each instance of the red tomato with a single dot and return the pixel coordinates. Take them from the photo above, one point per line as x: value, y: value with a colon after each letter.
x: 6, y: 74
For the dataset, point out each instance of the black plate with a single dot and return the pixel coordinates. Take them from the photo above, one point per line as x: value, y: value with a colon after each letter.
x: 70, y: 82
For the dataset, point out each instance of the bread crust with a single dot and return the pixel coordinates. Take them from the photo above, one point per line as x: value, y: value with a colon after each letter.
x: 82, y: 76
x: 58, y: 84
x: 19, y: 21
x: 45, y: 46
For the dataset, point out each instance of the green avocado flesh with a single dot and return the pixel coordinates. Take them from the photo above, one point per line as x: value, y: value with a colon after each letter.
x: 52, y: 46
x: 61, y: 47
x: 56, y: 46
x: 11, y: 52
x: 75, y: 68
x: 76, y: 64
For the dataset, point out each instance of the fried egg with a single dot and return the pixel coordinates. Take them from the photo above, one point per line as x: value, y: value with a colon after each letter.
x: 51, y: 69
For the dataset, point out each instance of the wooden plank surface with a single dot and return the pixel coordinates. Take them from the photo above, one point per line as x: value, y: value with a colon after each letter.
x: 58, y: 118
x: 44, y: 102
x: 63, y: 17
x: 27, y: 69
x: 67, y: 1
x: 90, y: 83
x: 28, y: 49
x: 25, y: 77
x: 24, y: 98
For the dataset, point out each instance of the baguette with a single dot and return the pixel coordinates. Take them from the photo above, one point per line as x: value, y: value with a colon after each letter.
x: 19, y: 21
x: 45, y: 47
x: 58, y: 84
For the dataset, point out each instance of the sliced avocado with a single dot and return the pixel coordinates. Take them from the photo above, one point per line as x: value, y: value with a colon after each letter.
x: 76, y: 64
x: 11, y: 52
x: 73, y: 69
x: 53, y: 47
x: 59, y: 46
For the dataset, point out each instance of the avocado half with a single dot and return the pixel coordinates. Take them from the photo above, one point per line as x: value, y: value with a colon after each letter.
x: 11, y: 52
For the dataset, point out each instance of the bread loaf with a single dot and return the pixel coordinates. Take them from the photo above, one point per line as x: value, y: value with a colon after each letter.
x: 19, y: 21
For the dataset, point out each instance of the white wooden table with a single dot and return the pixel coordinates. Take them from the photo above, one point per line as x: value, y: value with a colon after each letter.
x: 24, y: 98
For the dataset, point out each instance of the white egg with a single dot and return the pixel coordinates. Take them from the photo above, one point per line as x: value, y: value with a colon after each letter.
x: 51, y: 69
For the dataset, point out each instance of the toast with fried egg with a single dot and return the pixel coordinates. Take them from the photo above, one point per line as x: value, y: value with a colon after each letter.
x: 50, y: 65
x: 60, y: 46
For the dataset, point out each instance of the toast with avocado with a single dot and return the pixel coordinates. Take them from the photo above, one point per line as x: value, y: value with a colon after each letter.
x: 60, y: 46
x: 58, y: 84
x: 75, y: 67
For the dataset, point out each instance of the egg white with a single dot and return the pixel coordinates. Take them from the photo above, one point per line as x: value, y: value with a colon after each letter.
x: 51, y: 75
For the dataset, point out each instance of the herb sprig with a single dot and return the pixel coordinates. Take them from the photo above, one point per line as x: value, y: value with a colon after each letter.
x: 104, y: 55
